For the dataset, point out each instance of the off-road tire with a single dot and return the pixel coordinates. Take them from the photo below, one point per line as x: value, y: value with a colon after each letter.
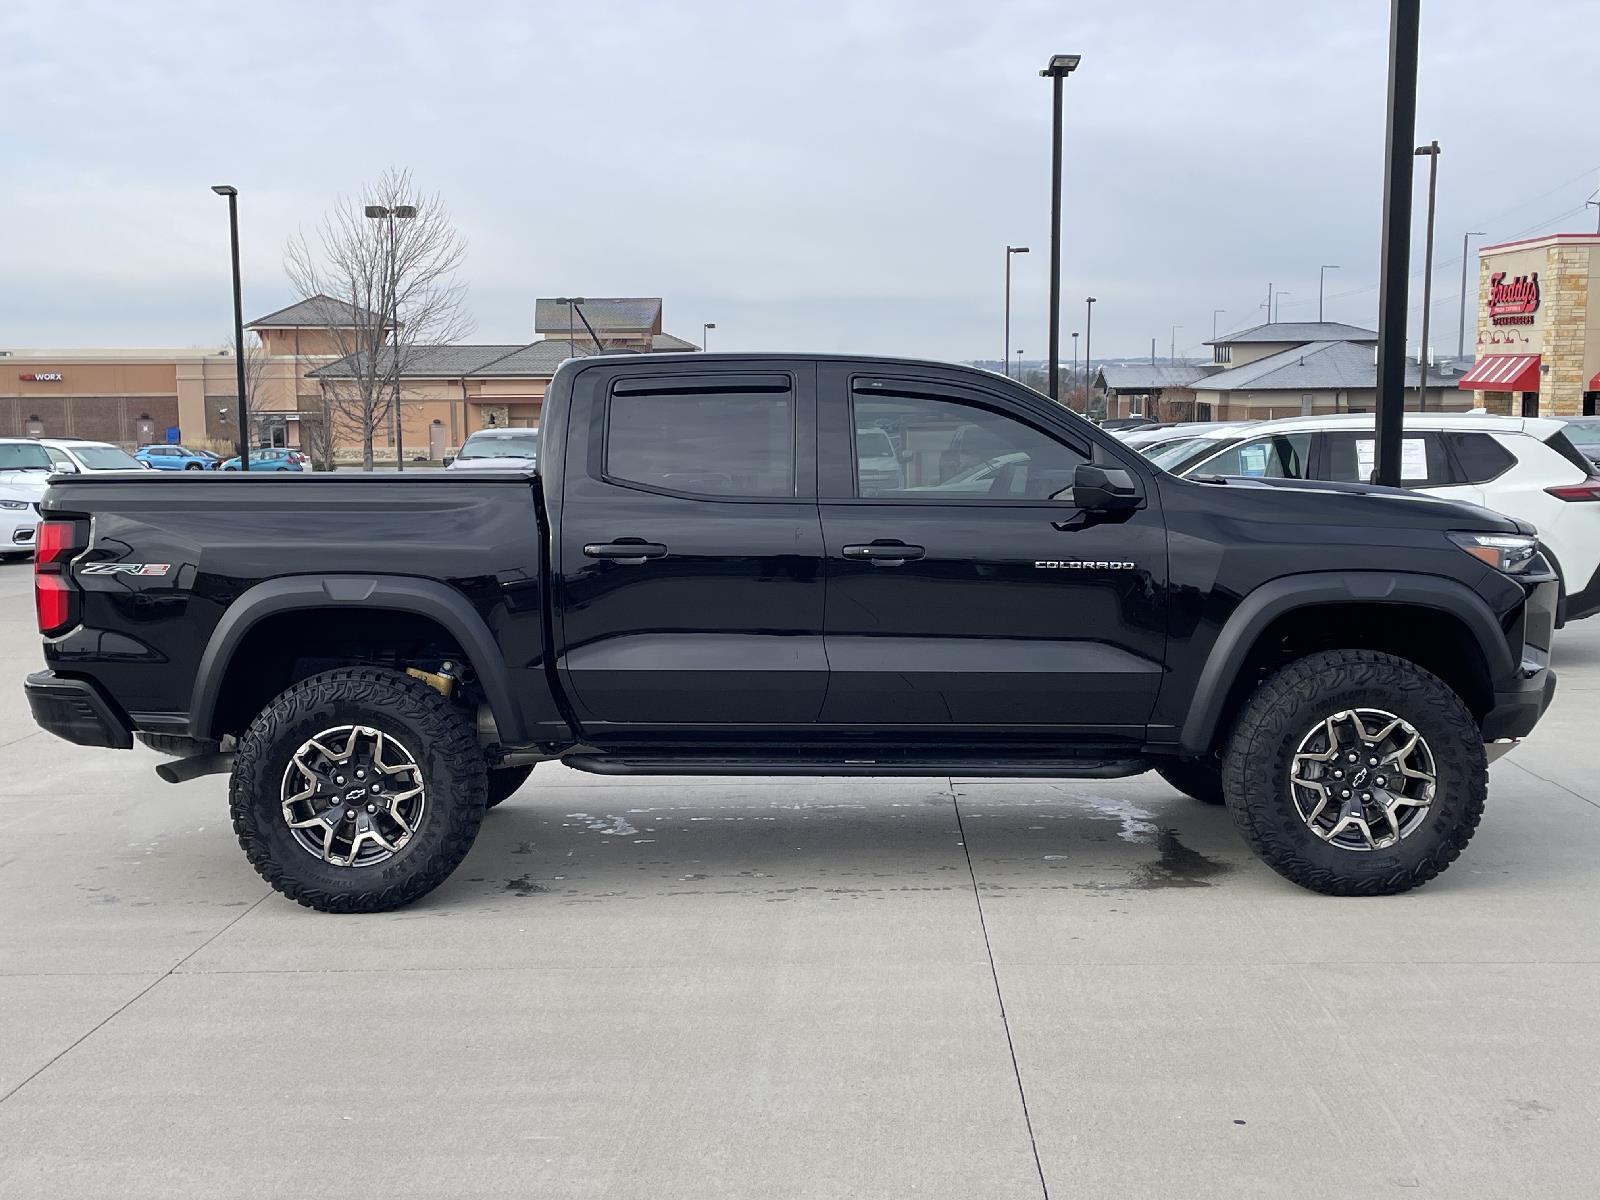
x: 1256, y: 769
x: 433, y: 730
x: 504, y: 782
x: 1198, y: 778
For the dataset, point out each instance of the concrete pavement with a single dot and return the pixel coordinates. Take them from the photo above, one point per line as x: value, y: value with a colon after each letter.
x: 787, y: 988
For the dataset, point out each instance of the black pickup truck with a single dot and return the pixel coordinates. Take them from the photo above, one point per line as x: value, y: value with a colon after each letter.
x: 761, y: 565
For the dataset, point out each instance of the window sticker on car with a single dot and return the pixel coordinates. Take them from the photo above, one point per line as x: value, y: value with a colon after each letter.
x: 1413, y: 458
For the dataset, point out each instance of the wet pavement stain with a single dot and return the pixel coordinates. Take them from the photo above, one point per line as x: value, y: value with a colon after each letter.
x: 522, y: 885
x: 1178, y: 866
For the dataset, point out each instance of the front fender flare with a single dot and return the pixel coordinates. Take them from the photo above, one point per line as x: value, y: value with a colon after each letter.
x: 1272, y: 599
x: 425, y: 597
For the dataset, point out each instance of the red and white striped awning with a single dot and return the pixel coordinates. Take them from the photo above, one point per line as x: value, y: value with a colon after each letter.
x: 1502, y: 373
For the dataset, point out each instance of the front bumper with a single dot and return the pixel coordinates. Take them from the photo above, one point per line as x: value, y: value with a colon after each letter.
x: 76, y: 710
x: 1520, y: 701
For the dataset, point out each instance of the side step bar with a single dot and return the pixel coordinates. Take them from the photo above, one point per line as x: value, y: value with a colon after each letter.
x: 1056, y: 768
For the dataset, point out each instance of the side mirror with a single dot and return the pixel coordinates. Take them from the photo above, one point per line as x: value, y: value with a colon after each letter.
x: 447, y: 460
x: 66, y: 468
x: 1104, y: 489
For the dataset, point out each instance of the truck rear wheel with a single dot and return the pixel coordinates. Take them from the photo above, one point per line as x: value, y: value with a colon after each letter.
x: 1198, y: 778
x: 504, y: 782
x: 1356, y: 773
x: 358, y: 790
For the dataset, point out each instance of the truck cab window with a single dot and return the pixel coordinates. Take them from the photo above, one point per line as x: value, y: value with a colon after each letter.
x: 738, y: 444
x: 922, y: 448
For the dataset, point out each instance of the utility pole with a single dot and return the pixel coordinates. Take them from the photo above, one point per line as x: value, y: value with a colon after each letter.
x: 1152, y: 353
x: 1073, y: 390
x: 1431, y: 152
x: 1269, y: 304
x: 1057, y: 70
x: 1322, y: 273
x: 1461, y: 329
x: 1393, y: 260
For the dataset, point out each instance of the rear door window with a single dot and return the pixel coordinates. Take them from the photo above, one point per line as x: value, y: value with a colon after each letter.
x: 711, y: 443
x: 1352, y: 458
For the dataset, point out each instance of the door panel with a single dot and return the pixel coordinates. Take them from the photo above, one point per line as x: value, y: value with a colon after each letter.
x: 718, y: 619
x: 1017, y: 612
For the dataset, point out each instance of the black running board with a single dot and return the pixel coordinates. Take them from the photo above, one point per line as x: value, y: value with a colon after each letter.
x: 1057, y: 768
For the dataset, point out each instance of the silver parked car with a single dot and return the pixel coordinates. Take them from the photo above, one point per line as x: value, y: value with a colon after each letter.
x: 507, y: 449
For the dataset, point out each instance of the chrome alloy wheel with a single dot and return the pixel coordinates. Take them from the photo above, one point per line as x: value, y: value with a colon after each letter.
x: 1363, y: 779
x: 353, y: 796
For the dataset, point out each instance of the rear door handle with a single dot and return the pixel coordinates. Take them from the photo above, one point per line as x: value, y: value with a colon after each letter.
x: 625, y: 552
x: 886, y: 554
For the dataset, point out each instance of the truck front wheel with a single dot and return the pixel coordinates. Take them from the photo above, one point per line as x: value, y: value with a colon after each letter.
x: 1356, y: 773
x: 358, y: 790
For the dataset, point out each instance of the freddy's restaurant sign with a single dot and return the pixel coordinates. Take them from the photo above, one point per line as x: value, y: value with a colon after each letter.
x: 1513, y: 303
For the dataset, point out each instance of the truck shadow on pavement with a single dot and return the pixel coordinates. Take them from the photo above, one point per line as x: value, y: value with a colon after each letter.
x: 585, y: 844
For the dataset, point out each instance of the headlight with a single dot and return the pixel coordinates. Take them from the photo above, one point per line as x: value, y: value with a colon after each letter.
x: 1508, y: 552
x: 14, y: 505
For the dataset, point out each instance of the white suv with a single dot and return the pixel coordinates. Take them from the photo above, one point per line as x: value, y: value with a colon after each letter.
x: 1524, y: 467
x: 74, y: 456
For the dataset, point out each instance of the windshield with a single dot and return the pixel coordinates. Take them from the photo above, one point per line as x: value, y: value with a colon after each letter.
x: 106, y: 458
x: 1584, y: 433
x: 1170, y: 454
x: 23, y: 456
x: 502, y: 445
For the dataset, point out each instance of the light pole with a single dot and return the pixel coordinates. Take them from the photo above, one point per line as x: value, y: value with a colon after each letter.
x: 1088, y: 350
x: 1431, y: 153
x: 1073, y: 390
x: 1277, y: 303
x: 404, y: 212
x: 705, y: 342
x: 1461, y: 330
x: 1322, y: 273
x: 1059, y: 67
x: 1019, y: 366
x: 1005, y: 359
x: 232, y: 193
x: 575, y: 305
x: 1393, y: 261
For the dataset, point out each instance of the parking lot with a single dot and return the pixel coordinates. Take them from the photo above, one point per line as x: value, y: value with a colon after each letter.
x: 775, y: 988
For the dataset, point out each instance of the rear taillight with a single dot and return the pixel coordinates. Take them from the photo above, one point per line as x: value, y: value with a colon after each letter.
x: 1589, y: 489
x: 54, y: 594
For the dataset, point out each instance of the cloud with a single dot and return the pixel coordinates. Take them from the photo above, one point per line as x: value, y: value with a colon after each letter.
x: 830, y: 176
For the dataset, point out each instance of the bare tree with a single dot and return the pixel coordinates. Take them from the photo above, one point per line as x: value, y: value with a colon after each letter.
x: 391, y: 280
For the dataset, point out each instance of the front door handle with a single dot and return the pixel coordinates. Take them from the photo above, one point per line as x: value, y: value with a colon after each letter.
x: 626, y: 552
x: 886, y: 554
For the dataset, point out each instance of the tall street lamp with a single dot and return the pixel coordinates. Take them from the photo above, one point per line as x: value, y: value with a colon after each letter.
x: 232, y: 193
x: 1005, y: 359
x: 1322, y: 274
x: 404, y: 212
x: 1073, y: 390
x: 1059, y: 67
x: 1461, y: 331
x: 575, y: 305
x: 1088, y: 350
x: 1393, y: 260
x: 705, y: 341
x: 1431, y: 153
x: 1019, y: 365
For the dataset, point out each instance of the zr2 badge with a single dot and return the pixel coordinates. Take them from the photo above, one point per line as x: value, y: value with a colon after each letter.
x: 125, y: 569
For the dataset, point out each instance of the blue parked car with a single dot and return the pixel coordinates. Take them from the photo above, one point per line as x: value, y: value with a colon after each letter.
x: 267, y: 460
x: 175, y: 458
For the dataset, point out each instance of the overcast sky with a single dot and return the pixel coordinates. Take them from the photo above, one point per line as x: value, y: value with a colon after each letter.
x: 823, y: 176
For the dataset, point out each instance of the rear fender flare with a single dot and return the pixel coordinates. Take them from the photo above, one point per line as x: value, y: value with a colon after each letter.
x: 424, y: 597
x: 1273, y: 599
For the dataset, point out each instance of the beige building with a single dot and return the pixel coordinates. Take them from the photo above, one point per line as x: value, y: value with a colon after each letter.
x: 1280, y: 369
x: 1538, y: 340
x: 136, y: 396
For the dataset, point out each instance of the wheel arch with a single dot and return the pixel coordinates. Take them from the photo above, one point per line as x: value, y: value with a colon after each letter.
x: 425, y: 598
x: 1453, y: 608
